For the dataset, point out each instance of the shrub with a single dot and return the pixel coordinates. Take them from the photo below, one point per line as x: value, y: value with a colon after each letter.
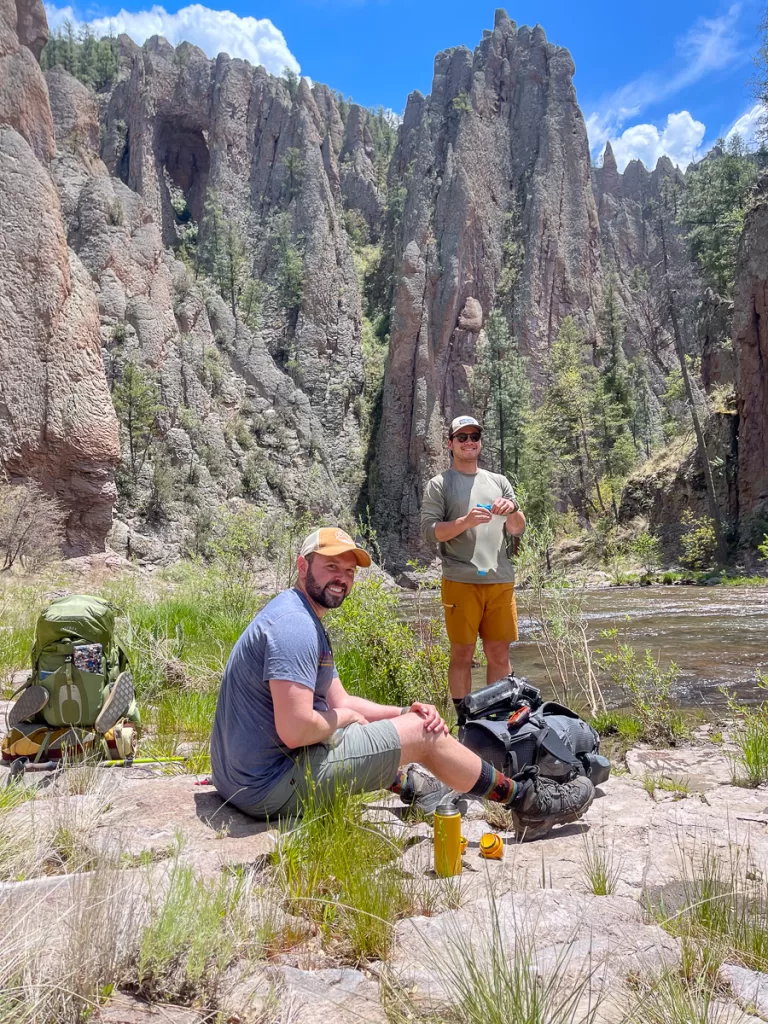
x: 647, y: 550
x: 698, y: 540
x: 648, y: 688
x: 462, y: 103
x: 384, y: 659
x: 31, y: 526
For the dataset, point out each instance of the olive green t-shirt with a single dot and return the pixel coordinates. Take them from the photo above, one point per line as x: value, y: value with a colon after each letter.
x: 450, y: 495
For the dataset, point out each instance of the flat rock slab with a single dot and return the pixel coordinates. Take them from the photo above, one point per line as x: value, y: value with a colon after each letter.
x: 749, y: 988
x: 153, y: 815
x: 699, y: 768
x: 327, y: 996
x: 564, y: 933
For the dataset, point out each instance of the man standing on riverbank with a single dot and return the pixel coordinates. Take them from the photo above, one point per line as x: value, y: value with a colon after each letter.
x: 285, y: 723
x: 458, y: 504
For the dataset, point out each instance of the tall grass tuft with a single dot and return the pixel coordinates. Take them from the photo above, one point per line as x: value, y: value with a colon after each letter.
x: 749, y: 765
x: 341, y: 871
x: 669, y: 998
x: 725, y: 907
x: 196, y: 930
x: 599, y: 867
x: 493, y: 977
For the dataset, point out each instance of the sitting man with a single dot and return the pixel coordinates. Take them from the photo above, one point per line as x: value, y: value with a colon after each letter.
x: 284, y: 721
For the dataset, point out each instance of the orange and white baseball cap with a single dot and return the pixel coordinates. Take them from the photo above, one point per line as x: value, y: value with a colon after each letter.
x: 330, y: 540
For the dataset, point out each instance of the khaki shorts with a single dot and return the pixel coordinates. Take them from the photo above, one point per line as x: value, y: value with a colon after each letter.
x: 366, y: 759
x: 484, y: 609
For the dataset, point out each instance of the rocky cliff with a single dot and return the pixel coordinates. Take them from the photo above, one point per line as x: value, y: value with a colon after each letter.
x: 57, y: 424
x: 495, y: 171
x: 243, y: 249
x: 236, y: 172
x: 750, y: 344
x: 629, y: 205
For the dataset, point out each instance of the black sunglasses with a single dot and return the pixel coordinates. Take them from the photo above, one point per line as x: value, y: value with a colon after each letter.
x: 474, y: 436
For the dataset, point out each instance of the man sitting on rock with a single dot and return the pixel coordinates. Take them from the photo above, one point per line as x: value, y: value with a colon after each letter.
x: 285, y: 722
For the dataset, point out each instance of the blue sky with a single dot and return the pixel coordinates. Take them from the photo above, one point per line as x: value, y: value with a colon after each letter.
x: 658, y: 77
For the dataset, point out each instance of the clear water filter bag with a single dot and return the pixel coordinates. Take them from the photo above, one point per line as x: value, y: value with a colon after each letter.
x: 488, y: 540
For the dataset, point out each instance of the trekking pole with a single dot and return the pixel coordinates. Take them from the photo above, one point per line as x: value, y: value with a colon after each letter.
x: 129, y: 761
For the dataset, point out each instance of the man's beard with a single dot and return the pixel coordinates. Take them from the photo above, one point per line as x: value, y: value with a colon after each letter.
x: 320, y: 594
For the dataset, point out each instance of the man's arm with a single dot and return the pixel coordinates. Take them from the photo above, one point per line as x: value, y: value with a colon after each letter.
x: 507, y: 506
x: 338, y: 698
x: 296, y: 721
x: 434, y: 527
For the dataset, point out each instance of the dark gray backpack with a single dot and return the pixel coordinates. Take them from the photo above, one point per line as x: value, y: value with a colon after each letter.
x: 510, y: 725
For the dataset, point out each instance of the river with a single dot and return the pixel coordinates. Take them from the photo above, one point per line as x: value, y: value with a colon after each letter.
x: 717, y: 636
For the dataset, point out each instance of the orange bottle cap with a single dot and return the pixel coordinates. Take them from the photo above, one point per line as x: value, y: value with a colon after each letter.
x: 491, y: 846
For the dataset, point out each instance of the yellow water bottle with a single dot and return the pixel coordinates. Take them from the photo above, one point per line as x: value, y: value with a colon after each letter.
x: 447, y: 839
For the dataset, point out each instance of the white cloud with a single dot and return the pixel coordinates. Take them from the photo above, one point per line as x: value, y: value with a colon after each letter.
x: 748, y: 125
x: 680, y: 140
x: 254, y: 39
x: 710, y: 45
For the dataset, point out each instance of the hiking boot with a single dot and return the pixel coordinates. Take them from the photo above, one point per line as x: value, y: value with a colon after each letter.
x: 32, y: 700
x: 542, y: 803
x: 421, y: 790
x: 117, y: 704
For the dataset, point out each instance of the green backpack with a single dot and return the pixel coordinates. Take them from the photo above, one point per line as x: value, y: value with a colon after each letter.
x: 76, y: 658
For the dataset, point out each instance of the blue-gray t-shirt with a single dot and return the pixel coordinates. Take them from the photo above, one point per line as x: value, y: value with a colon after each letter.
x: 286, y: 640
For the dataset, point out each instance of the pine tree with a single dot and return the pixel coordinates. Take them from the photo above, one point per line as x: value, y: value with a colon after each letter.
x: 566, y: 414
x: 137, y: 402
x: 504, y: 393
x: 86, y: 56
x: 712, y: 211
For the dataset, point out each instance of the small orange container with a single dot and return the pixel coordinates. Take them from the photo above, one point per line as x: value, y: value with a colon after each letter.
x: 491, y: 846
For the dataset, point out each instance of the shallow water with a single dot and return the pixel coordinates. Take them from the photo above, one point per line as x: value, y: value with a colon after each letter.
x: 717, y: 636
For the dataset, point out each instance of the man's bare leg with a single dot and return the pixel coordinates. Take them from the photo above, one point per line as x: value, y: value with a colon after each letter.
x: 460, y: 670
x: 447, y: 759
x: 463, y: 771
x: 497, y: 656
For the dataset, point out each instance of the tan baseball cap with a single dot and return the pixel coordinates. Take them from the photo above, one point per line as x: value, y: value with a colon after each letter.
x: 330, y: 540
x: 463, y: 421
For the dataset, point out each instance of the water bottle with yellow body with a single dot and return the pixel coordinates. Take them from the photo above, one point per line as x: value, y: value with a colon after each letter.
x: 447, y: 840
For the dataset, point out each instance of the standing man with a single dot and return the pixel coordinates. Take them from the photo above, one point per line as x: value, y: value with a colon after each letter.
x: 457, y: 504
x: 284, y: 722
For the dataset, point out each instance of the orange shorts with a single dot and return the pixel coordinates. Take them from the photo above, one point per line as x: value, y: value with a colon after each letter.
x: 484, y: 609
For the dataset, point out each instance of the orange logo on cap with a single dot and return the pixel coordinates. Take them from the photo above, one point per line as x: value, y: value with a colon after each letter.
x: 343, y: 538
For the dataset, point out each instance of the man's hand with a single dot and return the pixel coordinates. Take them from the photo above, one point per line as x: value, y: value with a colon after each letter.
x: 504, y: 507
x: 431, y: 716
x: 476, y: 517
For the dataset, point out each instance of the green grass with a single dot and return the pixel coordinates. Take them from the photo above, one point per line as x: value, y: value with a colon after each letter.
x: 669, y: 998
x: 342, y: 872
x: 652, y: 782
x: 492, y: 976
x: 749, y: 764
x: 724, y: 910
x: 196, y: 930
x: 599, y: 867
